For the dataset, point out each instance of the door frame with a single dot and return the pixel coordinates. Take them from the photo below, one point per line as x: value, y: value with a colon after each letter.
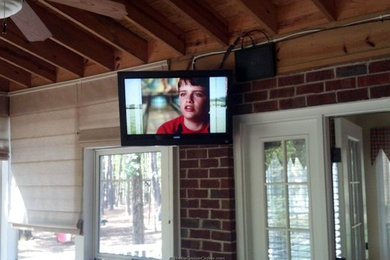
x: 380, y: 168
x: 346, y: 130
x: 240, y: 123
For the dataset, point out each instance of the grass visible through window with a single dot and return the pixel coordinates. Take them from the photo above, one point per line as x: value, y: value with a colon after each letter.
x: 38, y: 245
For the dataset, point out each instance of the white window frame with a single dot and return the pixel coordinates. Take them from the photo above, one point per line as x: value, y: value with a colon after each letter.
x: 8, y: 235
x: 87, y: 247
x: 243, y: 226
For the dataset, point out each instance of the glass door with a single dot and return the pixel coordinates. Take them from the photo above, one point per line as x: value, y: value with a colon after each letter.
x: 351, y: 191
x: 281, y: 191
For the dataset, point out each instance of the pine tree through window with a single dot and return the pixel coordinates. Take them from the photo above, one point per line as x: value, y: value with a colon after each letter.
x: 129, y: 217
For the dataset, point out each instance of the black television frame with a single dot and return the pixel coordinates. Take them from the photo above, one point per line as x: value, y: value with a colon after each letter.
x: 171, y: 139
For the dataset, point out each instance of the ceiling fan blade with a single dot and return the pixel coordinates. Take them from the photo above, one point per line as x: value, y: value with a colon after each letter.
x: 30, y: 24
x: 104, y: 7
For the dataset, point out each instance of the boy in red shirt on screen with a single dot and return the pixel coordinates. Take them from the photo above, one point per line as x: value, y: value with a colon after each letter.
x: 194, y: 107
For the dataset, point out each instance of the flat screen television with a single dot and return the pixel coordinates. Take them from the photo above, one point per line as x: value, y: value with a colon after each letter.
x: 175, y: 107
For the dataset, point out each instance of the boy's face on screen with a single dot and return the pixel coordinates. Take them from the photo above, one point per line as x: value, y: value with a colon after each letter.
x: 193, y: 102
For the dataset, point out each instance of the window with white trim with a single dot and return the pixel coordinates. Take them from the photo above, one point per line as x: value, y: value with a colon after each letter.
x: 134, y: 203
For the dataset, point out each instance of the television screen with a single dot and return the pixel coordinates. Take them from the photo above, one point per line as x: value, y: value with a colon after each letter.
x: 174, y: 107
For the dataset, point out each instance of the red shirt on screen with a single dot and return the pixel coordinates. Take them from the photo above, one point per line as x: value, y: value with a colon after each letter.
x: 176, y: 126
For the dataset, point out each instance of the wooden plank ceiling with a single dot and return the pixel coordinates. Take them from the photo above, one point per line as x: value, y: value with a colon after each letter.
x: 112, y: 35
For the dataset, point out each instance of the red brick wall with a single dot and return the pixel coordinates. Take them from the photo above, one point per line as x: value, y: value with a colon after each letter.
x: 207, y: 202
x: 207, y: 179
x: 339, y: 84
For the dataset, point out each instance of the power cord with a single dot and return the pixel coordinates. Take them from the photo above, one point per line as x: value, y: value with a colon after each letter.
x: 237, y: 40
x: 381, y: 18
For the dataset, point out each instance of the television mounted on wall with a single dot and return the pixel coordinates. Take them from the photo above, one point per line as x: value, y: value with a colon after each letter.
x: 188, y: 107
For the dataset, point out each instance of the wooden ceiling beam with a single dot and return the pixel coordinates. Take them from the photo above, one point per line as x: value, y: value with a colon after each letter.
x: 107, y: 8
x: 345, y: 44
x: 47, y: 50
x: 106, y: 29
x: 264, y: 12
x: 15, y: 74
x: 69, y: 35
x: 209, y: 22
x: 149, y: 19
x: 328, y: 8
x: 28, y: 62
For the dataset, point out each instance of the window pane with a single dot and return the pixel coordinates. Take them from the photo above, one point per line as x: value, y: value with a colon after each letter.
x: 273, y: 162
x: 357, y: 243
x: 300, y: 245
x: 353, y: 150
x: 277, y: 245
x: 355, y: 203
x: 296, y: 161
x: 276, y: 206
x: 130, y: 204
x: 298, y: 203
x: 288, y: 210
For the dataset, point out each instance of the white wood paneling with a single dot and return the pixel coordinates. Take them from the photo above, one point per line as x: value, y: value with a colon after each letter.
x: 100, y: 115
x: 4, y: 135
x: 100, y: 91
x: 43, y: 101
x: 49, y: 123
x: 43, y: 149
